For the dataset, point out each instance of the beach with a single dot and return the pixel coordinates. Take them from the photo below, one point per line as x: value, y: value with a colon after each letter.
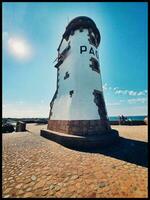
x: 139, y: 133
x: 33, y: 166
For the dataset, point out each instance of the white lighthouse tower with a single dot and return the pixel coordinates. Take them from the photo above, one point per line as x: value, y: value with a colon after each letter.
x: 78, y: 106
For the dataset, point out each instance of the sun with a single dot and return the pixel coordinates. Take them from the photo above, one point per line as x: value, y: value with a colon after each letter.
x: 19, y: 48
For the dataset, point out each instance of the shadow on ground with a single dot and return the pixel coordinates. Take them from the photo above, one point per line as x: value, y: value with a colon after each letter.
x: 128, y: 150
x: 111, y: 144
x: 40, y: 123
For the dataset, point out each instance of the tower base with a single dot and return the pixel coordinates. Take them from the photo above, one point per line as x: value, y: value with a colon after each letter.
x: 82, y: 142
x: 79, y: 127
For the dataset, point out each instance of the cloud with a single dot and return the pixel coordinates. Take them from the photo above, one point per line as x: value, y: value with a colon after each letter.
x: 115, y: 88
x: 105, y: 86
x: 141, y: 93
x: 118, y: 91
x: 132, y: 93
x: 123, y: 92
x: 137, y: 100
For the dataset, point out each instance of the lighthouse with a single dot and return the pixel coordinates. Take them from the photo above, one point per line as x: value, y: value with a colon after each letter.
x: 78, y: 105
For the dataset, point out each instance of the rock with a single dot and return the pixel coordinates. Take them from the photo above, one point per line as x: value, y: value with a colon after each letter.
x: 7, y: 128
x: 25, y: 186
x: 6, y: 196
x: 113, y: 166
x: 29, y: 189
x: 28, y: 194
x: 19, y: 186
x: 74, y: 177
x: 101, y: 184
x: 33, y: 178
x: 44, y: 193
x: 20, y: 192
x: 51, y: 187
x: 46, y: 188
x: 7, y: 190
x: 60, y: 184
x: 39, y: 184
x: 31, y: 184
x: 10, y: 178
x: 66, y: 179
x: 12, y: 181
x: 57, y: 188
x: 26, y: 181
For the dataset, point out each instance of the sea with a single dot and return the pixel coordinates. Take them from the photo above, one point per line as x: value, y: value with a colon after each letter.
x: 111, y: 118
x: 134, y: 118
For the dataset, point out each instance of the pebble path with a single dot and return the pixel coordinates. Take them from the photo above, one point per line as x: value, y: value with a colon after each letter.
x: 33, y: 166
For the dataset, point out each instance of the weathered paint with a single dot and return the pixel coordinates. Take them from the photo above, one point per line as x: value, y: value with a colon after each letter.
x: 82, y: 80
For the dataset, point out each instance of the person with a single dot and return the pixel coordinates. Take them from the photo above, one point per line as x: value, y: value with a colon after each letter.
x: 120, y: 119
x: 123, y: 119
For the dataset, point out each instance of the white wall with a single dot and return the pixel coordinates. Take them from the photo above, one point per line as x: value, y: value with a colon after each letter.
x: 82, y: 79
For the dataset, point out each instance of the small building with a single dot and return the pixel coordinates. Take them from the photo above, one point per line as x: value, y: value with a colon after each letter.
x: 78, y: 106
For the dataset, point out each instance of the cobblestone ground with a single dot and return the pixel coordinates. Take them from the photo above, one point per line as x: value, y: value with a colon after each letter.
x: 36, y: 167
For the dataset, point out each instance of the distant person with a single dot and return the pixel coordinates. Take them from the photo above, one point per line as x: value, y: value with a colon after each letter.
x: 120, y: 119
x: 123, y: 119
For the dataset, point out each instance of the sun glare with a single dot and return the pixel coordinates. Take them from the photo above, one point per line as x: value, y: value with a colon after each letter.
x: 19, y: 48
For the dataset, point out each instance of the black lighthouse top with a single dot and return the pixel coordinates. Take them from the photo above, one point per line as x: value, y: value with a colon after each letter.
x: 82, y: 22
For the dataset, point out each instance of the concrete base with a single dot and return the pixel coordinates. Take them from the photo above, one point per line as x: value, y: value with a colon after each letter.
x: 20, y: 126
x: 82, y: 142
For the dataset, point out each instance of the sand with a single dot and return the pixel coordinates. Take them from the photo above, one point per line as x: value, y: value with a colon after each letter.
x: 139, y: 133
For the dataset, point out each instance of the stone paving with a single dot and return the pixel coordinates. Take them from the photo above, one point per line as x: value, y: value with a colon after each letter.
x: 33, y: 166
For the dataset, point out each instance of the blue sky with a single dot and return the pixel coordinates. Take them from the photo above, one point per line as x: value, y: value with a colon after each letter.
x: 32, y: 33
